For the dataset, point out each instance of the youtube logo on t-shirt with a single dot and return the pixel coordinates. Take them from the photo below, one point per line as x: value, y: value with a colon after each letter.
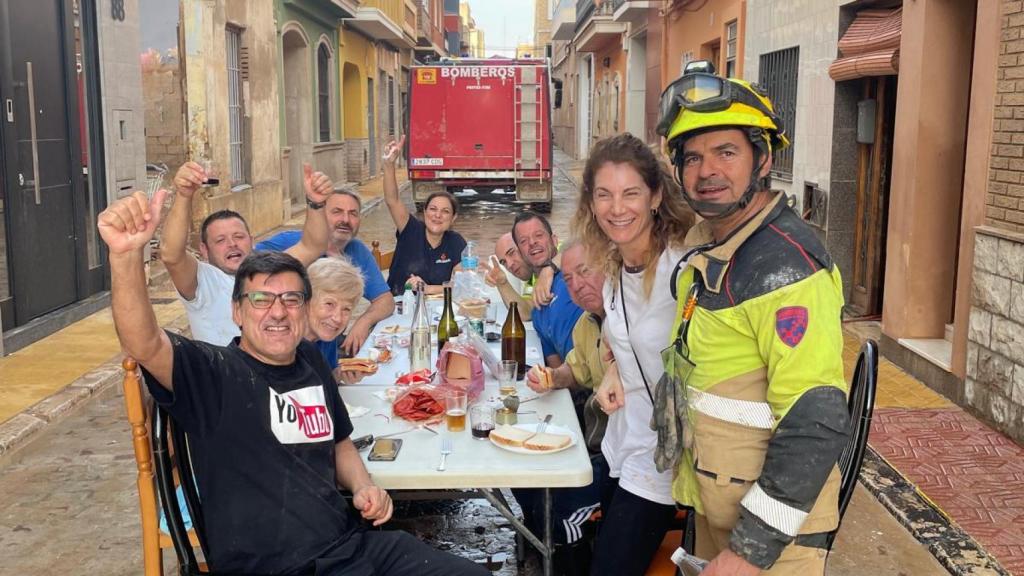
x: 300, y: 416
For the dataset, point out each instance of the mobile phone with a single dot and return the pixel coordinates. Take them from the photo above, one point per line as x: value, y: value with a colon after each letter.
x: 385, y: 449
x: 363, y: 441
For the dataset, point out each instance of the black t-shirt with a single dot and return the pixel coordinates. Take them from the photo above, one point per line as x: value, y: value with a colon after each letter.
x: 414, y: 255
x: 262, y: 443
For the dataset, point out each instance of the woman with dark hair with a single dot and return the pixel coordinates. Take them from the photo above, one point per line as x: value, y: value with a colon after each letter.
x: 633, y: 221
x: 427, y: 250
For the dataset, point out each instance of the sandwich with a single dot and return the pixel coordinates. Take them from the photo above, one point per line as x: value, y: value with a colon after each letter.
x: 545, y: 442
x: 543, y: 376
x: 364, y: 365
x: 510, y: 435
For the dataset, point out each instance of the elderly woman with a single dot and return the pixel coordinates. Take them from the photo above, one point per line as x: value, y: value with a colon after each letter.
x: 427, y: 250
x: 337, y: 287
x: 633, y: 221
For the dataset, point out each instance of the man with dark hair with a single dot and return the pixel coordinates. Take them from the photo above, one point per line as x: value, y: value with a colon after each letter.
x: 553, y: 322
x: 343, y: 217
x: 268, y: 431
x: 225, y: 241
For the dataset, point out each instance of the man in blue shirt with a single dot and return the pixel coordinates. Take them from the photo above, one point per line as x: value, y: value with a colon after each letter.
x: 555, y: 321
x: 344, y: 211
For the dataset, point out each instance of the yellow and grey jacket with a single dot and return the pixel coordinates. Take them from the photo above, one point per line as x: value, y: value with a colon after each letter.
x: 766, y: 395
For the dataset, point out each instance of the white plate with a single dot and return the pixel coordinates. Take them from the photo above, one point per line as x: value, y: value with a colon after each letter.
x: 532, y: 427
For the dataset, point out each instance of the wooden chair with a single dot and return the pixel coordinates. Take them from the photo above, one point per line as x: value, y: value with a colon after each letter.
x: 383, y: 258
x: 160, y: 470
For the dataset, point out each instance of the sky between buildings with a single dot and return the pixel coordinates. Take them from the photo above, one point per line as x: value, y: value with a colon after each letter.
x: 505, y: 23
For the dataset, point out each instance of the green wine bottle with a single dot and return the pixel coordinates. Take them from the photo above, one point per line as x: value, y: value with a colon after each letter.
x: 447, y: 329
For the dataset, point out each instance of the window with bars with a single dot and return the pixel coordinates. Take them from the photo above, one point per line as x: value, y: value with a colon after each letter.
x: 391, y: 106
x: 323, y: 87
x: 730, y: 49
x: 236, y: 126
x: 778, y: 76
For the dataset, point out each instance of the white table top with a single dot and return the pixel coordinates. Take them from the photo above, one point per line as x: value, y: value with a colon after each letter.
x: 473, y: 463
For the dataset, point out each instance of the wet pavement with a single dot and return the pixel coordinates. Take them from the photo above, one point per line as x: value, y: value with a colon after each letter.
x: 69, y: 505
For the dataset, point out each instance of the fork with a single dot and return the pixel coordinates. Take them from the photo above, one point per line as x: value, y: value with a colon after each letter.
x: 446, y: 449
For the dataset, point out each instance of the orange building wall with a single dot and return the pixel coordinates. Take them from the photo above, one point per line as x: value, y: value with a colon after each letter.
x: 692, y: 32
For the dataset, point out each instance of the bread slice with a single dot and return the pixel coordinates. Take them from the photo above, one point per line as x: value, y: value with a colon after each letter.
x: 510, y: 435
x: 545, y: 442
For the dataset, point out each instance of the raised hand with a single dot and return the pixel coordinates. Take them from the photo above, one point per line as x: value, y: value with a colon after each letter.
x: 130, y: 223
x: 189, y: 178
x: 318, y: 186
x: 493, y: 274
x: 393, y: 150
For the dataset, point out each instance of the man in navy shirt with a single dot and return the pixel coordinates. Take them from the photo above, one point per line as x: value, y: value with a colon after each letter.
x: 344, y: 212
x: 268, y: 430
x: 555, y: 321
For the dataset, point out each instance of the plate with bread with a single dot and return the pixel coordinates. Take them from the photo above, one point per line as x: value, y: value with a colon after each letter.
x: 524, y: 439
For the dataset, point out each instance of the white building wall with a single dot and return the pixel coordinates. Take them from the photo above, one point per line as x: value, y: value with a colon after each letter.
x: 813, y: 26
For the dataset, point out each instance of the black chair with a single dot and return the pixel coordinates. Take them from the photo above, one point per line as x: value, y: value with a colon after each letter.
x: 862, y: 405
x: 168, y: 461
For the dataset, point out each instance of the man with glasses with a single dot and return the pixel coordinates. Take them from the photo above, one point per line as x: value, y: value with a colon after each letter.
x: 268, y: 431
x: 757, y: 347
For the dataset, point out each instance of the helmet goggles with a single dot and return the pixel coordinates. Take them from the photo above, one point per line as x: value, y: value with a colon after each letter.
x: 701, y: 92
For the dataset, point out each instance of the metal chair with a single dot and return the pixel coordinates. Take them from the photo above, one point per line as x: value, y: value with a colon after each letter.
x: 862, y: 404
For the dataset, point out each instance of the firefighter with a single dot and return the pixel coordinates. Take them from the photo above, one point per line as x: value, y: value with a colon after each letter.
x: 756, y: 393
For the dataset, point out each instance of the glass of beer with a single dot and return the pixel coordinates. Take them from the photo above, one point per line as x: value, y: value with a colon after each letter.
x: 455, y: 410
x: 507, y: 372
x: 481, y: 420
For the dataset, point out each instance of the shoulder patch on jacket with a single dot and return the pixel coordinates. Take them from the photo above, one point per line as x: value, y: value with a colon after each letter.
x: 791, y: 324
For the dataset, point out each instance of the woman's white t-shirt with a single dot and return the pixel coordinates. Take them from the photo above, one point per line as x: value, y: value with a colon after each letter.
x: 629, y: 442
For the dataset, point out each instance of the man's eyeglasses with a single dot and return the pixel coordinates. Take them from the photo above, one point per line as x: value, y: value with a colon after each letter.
x: 262, y: 299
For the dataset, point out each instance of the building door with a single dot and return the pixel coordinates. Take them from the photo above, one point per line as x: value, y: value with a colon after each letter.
x: 871, y: 216
x: 371, y: 128
x: 40, y: 154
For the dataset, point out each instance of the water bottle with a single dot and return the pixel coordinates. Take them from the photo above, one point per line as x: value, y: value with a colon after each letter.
x: 408, y: 301
x: 470, y: 259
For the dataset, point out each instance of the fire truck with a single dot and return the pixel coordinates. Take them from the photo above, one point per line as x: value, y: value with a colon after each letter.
x: 481, y: 129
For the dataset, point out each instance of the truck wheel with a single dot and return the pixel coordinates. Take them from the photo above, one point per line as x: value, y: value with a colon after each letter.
x: 543, y: 208
x: 420, y: 206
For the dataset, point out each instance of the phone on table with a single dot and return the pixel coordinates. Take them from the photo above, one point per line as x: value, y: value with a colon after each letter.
x: 385, y: 449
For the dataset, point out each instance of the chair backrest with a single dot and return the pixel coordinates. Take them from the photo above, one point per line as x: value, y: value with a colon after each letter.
x: 861, y: 404
x: 162, y: 459
x: 383, y: 258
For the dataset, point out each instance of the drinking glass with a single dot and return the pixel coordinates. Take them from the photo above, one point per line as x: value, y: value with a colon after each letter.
x: 481, y: 420
x: 455, y: 410
x: 507, y: 372
x: 212, y: 180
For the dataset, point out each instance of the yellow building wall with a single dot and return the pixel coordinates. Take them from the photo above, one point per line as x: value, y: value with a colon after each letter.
x: 393, y: 9
x: 697, y: 31
x: 359, y: 60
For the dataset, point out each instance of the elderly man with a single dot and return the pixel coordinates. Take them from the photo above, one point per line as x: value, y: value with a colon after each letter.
x: 344, y: 214
x: 224, y: 242
x: 555, y: 321
x: 268, y: 431
x: 510, y: 261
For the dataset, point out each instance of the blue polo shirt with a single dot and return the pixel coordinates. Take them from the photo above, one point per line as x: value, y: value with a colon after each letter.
x: 554, y: 322
x: 414, y: 255
x: 356, y: 251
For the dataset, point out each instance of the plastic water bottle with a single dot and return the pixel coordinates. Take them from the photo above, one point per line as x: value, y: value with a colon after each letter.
x: 408, y: 301
x: 470, y: 259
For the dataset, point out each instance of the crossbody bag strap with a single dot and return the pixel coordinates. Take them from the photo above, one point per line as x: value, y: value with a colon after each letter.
x: 625, y: 316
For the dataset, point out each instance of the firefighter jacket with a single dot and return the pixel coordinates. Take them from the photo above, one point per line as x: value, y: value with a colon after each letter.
x: 767, y: 412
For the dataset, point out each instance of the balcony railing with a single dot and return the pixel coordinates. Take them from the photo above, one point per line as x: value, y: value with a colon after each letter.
x: 587, y: 9
x: 427, y: 32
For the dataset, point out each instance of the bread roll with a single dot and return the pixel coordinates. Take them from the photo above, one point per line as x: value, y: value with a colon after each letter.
x: 510, y: 435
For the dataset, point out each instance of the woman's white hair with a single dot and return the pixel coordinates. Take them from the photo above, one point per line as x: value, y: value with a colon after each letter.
x: 337, y: 276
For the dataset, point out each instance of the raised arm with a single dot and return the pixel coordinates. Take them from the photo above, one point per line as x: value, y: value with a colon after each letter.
x: 126, y: 226
x: 182, y: 266
x: 495, y: 276
x: 399, y: 213
x: 314, y: 233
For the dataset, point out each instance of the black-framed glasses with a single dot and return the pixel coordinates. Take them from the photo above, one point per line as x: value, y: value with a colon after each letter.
x: 262, y: 299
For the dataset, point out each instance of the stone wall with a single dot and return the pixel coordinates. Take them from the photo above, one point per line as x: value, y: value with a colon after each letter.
x: 995, y: 349
x: 1005, y: 207
x: 357, y: 154
x: 165, y: 122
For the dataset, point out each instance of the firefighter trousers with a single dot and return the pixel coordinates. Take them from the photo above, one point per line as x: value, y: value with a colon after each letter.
x: 802, y: 560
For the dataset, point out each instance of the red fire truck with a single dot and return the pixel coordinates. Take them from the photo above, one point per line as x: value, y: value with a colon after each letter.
x: 482, y: 125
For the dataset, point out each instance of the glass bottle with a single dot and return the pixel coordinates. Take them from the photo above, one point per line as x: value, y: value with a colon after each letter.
x: 408, y: 300
x: 419, y: 343
x: 447, y: 328
x: 513, y: 339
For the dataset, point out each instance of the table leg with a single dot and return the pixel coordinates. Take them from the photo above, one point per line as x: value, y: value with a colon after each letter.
x: 549, y: 548
x: 501, y: 506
